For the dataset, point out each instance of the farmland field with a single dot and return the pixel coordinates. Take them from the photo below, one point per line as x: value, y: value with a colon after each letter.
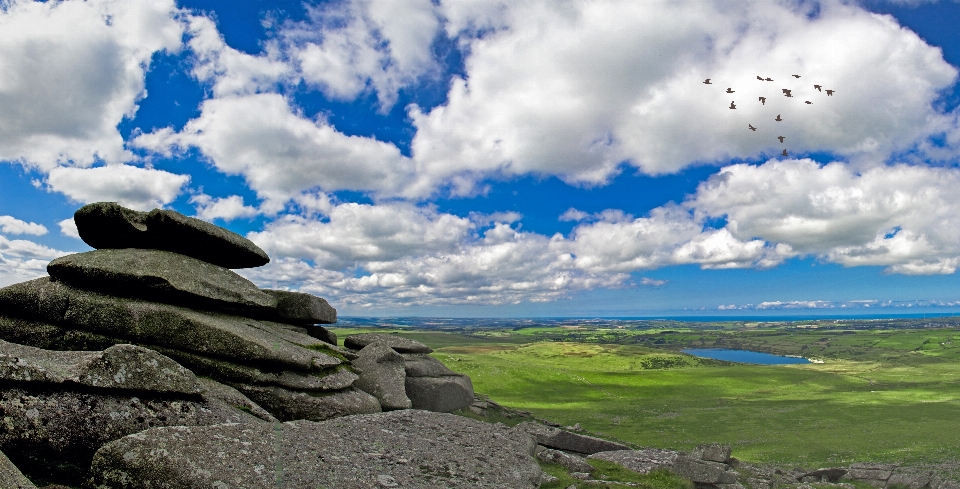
x: 879, y: 395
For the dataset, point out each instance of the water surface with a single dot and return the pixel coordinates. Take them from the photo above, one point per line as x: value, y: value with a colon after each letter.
x: 744, y: 356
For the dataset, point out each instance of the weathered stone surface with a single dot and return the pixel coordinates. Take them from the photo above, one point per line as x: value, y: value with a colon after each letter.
x: 289, y: 405
x: 236, y: 338
x: 232, y: 397
x: 423, y: 365
x: 162, y: 276
x: 641, y: 461
x: 52, y: 337
x: 440, y: 394
x: 382, y: 376
x: 832, y: 474
x: 105, y: 225
x: 302, y: 308
x: 564, y: 440
x: 713, y: 452
x: 322, y: 334
x: 568, y: 461
x: 51, y: 433
x: 398, y: 343
x: 703, y: 471
x: 914, y: 480
x: 126, y: 367
x: 11, y: 477
x: 868, y: 471
x: 413, y: 449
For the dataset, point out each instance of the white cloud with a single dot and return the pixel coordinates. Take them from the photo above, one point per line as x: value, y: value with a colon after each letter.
x: 562, y: 88
x: 70, y: 71
x: 233, y: 72
x: 23, y: 260
x: 137, y: 188
x: 653, y: 282
x: 906, y: 218
x: 282, y: 154
x: 68, y: 227
x: 351, y: 46
x: 12, y: 225
x: 226, y: 208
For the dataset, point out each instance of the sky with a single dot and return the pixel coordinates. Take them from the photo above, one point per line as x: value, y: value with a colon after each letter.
x: 486, y: 158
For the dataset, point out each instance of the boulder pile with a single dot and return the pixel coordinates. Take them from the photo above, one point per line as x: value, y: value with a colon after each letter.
x: 153, y: 328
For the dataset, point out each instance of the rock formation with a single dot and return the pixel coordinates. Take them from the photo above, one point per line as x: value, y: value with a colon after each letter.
x: 154, y: 329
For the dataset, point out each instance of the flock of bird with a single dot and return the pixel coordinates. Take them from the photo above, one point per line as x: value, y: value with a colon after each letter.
x: 763, y: 101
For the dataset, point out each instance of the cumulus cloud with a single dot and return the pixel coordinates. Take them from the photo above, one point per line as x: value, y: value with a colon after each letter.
x: 68, y: 227
x: 134, y: 187
x: 226, y: 208
x: 72, y: 71
x: 349, y: 47
x: 281, y: 153
x: 12, y: 225
x: 22, y: 259
x: 562, y: 89
x: 906, y: 218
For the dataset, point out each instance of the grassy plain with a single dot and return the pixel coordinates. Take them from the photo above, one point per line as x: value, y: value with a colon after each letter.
x: 879, y: 395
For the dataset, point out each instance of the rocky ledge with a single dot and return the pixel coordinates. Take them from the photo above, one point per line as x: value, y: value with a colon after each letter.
x: 154, y: 329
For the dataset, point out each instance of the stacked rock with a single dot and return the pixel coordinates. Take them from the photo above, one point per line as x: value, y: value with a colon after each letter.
x: 153, y: 328
x: 163, y: 281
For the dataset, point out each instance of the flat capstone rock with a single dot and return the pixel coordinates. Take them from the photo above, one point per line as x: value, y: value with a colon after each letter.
x: 125, y: 367
x: 108, y: 225
x: 403, y: 449
x: 302, y: 308
x: 289, y: 405
x: 161, y: 276
x: 398, y: 343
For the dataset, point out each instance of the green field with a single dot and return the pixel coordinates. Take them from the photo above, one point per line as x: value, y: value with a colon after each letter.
x: 883, y: 395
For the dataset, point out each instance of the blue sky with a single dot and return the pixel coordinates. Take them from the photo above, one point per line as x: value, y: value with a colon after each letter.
x: 488, y: 158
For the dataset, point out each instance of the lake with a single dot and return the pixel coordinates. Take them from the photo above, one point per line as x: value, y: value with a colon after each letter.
x: 744, y: 356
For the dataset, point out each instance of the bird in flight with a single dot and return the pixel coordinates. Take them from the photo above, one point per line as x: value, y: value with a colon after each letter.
x: 829, y: 93
x: 732, y: 106
x: 796, y: 76
x: 763, y: 100
x: 707, y: 82
x: 808, y: 102
x: 751, y: 127
x: 786, y: 92
x: 769, y: 79
x: 760, y: 78
x: 781, y: 138
x: 818, y: 88
x: 778, y: 119
x: 730, y: 90
x: 784, y: 153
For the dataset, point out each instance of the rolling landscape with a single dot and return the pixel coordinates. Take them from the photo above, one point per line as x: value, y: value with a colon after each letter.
x: 886, y: 390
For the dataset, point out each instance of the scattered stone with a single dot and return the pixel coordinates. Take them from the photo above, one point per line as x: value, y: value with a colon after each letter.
x: 585, y: 476
x: 107, y: 225
x: 288, y: 405
x: 546, y: 478
x: 832, y: 474
x: 162, y: 276
x: 423, y: 365
x: 641, y: 461
x: 564, y: 440
x: 408, y: 448
x: 11, y: 477
x: 440, y: 394
x: 398, y: 343
x: 712, y: 452
x: 218, y: 335
x: 868, y: 471
x: 301, y: 308
x: 568, y: 461
x: 382, y: 376
x: 702, y: 471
